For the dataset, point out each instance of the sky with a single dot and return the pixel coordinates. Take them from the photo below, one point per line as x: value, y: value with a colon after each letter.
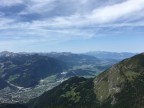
x: 72, y: 25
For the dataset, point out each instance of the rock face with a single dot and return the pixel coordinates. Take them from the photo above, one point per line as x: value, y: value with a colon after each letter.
x: 121, y: 86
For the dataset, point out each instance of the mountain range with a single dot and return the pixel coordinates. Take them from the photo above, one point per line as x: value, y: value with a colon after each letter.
x: 25, y: 76
x: 110, y: 55
x: 120, y: 86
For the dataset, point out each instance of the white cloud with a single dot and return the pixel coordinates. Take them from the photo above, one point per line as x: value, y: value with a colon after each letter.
x: 121, y: 14
x: 10, y: 2
x: 4, y: 22
x: 64, y: 20
x: 72, y: 26
x: 38, y: 6
x: 114, y: 12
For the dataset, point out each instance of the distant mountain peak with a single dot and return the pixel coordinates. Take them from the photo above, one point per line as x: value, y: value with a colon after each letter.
x: 110, y: 55
x: 7, y: 54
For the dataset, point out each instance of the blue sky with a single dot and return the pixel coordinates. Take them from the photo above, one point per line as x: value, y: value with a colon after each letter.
x: 72, y: 25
